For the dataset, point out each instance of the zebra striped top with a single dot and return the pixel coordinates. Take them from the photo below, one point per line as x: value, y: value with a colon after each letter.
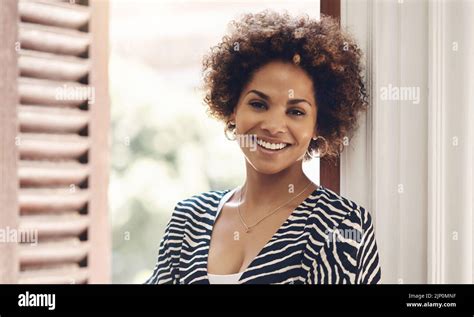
x: 327, y: 239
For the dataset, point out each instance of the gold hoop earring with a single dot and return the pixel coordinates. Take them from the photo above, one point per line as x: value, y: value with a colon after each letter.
x: 326, y: 148
x: 229, y: 131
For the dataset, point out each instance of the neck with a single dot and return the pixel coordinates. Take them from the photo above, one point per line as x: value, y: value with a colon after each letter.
x: 263, y: 191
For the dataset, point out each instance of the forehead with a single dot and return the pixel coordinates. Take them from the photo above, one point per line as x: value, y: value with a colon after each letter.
x: 277, y: 78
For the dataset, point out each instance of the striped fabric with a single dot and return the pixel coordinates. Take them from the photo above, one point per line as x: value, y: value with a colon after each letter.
x: 327, y: 239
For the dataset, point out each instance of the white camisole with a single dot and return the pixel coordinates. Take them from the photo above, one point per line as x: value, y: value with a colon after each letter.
x: 224, y: 278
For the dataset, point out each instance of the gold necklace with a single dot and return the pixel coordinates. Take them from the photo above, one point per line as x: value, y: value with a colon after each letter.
x: 247, y: 228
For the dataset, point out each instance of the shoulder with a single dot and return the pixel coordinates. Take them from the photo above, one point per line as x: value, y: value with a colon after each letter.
x: 195, y: 212
x: 203, y: 200
x: 198, y: 205
x: 343, y: 239
x: 339, y: 212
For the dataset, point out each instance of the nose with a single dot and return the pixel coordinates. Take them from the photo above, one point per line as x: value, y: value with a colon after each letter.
x: 274, y: 122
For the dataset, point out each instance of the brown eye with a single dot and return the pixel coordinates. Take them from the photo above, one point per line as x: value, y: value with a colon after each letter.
x: 257, y: 104
x: 297, y: 112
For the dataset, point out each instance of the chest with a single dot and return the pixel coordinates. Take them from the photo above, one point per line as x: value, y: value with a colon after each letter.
x: 290, y: 247
x: 232, y: 249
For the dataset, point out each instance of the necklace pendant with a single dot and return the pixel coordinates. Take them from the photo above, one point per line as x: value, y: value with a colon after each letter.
x: 247, y: 230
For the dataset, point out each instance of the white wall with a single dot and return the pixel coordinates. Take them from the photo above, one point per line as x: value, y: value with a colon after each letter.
x: 411, y: 163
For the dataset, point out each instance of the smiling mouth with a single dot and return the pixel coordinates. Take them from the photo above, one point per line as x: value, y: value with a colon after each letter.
x: 274, y: 147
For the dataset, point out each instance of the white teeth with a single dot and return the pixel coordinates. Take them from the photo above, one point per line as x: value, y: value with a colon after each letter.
x: 271, y: 146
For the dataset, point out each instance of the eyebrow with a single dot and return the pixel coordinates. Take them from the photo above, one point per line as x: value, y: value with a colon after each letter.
x: 267, y: 98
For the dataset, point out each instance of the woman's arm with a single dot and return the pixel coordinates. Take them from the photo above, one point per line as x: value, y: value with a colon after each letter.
x: 368, y: 267
x: 165, y: 271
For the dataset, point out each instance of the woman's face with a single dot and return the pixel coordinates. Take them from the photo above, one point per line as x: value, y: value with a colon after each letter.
x: 278, y: 107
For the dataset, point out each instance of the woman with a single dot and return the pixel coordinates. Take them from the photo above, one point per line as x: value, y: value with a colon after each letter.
x: 286, y: 88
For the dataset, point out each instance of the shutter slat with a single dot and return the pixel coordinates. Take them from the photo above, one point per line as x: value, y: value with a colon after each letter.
x: 53, y: 13
x: 55, y: 106
x: 52, y: 39
x: 53, y: 120
x: 55, y: 225
x: 52, y: 199
x: 67, y: 275
x: 66, y: 251
x: 51, y: 66
x: 48, y: 92
x: 49, y: 146
x: 37, y: 173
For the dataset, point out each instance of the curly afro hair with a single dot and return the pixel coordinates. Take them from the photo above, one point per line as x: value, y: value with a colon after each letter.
x: 329, y: 56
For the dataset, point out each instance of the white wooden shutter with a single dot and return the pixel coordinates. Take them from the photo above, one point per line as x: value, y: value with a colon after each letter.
x: 62, y: 144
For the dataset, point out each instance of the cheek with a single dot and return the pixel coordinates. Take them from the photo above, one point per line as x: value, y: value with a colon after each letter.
x: 303, y: 132
x: 245, y: 121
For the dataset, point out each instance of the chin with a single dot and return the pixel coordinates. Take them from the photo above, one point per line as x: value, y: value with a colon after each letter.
x: 268, y: 170
x: 268, y: 167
